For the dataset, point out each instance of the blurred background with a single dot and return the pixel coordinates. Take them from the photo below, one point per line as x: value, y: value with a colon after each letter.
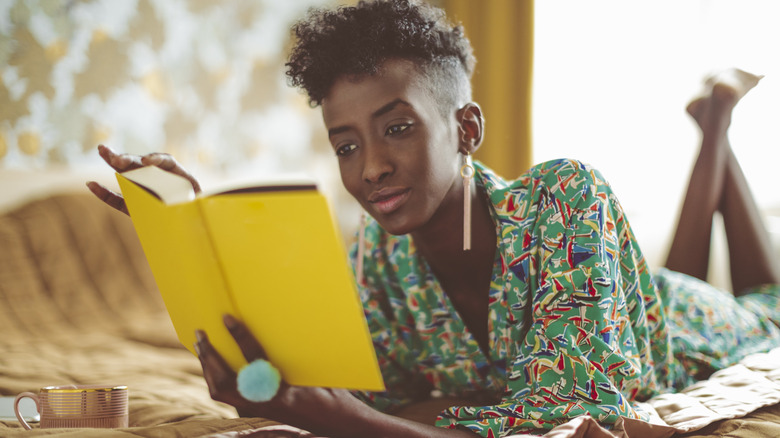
x: 610, y: 86
x: 203, y: 80
x: 603, y: 81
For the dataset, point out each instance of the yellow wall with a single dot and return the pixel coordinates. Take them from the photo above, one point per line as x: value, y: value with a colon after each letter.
x: 501, y: 32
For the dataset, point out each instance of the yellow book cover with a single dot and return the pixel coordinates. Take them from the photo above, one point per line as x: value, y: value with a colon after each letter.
x: 272, y: 257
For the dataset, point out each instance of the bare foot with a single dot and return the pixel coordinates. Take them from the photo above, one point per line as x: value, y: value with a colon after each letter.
x: 722, y: 91
x: 730, y: 85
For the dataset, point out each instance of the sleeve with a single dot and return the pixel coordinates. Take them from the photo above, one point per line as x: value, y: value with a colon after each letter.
x: 393, y: 341
x: 585, y: 350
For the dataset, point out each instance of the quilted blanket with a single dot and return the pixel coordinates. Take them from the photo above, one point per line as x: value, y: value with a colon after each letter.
x: 78, y: 305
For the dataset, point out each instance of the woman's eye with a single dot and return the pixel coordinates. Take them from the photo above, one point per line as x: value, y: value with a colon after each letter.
x: 397, y: 129
x: 345, y: 149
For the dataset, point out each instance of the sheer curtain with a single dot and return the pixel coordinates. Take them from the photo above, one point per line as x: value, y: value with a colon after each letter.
x: 611, y: 82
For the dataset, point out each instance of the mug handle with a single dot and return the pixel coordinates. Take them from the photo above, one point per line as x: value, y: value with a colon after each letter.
x: 16, y: 407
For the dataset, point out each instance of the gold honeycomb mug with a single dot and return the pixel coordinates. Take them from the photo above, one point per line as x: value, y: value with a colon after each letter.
x: 78, y: 406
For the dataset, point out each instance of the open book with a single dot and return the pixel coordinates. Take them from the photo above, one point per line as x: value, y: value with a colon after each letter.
x: 272, y: 257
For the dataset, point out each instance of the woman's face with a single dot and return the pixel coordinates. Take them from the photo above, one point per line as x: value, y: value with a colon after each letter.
x: 397, y: 154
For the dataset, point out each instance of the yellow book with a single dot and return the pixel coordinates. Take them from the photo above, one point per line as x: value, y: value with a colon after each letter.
x: 272, y: 257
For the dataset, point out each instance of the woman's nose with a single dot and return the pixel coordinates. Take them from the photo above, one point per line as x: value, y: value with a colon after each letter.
x: 377, y: 163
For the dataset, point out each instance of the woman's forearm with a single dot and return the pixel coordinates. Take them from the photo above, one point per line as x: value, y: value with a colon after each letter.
x: 348, y: 418
x: 370, y: 422
x: 330, y: 412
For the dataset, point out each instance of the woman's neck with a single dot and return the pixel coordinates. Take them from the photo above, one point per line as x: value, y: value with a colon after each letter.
x: 441, y: 243
x: 464, y: 275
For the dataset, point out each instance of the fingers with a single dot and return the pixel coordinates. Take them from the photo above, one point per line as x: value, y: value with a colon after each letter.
x: 168, y: 163
x: 220, y: 378
x: 112, y: 199
x: 119, y: 162
x: 248, y: 344
x: 124, y: 162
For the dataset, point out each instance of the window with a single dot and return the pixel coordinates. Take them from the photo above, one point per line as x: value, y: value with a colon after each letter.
x: 611, y: 82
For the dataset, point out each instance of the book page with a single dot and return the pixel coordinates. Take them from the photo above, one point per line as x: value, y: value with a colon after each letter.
x: 294, y: 181
x: 174, y: 189
x: 169, y: 187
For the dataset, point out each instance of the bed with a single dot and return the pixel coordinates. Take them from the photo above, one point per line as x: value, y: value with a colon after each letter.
x: 79, y: 305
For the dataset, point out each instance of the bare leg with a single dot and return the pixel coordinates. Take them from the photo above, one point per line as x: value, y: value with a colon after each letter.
x: 717, y: 184
x: 690, y: 250
x: 750, y: 252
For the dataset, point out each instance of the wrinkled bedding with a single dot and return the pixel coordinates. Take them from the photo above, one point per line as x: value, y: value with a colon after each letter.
x: 78, y: 304
x: 740, y: 401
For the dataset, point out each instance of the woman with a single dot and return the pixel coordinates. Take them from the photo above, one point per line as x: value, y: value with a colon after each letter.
x: 529, y: 299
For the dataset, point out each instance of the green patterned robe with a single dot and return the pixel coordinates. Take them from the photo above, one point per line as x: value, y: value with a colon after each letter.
x: 576, y: 323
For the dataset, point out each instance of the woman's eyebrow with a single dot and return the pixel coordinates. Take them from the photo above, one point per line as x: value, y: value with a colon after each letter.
x: 338, y: 130
x: 388, y: 107
x: 384, y: 109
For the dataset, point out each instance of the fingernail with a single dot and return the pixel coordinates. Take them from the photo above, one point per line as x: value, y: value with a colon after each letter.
x: 230, y: 321
x: 199, y: 335
x: 196, y: 346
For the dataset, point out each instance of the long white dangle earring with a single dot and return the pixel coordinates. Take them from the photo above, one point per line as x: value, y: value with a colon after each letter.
x: 361, y: 250
x: 467, y: 173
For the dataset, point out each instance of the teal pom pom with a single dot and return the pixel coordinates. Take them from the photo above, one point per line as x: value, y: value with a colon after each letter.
x: 258, y: 381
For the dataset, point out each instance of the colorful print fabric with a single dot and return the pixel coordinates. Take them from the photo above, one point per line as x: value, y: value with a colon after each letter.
x: 576, y: 323
x: 712, y: 330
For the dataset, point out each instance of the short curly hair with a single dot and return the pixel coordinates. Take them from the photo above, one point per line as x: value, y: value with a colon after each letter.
x: 356, y: 40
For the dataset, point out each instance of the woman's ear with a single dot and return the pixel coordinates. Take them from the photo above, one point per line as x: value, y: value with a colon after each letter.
x: 470, y: 127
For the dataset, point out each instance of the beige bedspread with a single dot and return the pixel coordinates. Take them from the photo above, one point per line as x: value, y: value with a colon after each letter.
x: 78, y: 305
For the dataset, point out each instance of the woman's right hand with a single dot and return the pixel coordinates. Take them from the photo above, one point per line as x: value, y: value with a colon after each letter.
x: 124, y: 162
x: 324, y: 411
x: 319, y: 410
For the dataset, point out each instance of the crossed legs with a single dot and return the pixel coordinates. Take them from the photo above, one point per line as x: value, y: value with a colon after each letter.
x: 717, y: 184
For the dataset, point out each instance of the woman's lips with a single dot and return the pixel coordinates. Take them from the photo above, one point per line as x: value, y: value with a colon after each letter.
x: 387, y: 200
